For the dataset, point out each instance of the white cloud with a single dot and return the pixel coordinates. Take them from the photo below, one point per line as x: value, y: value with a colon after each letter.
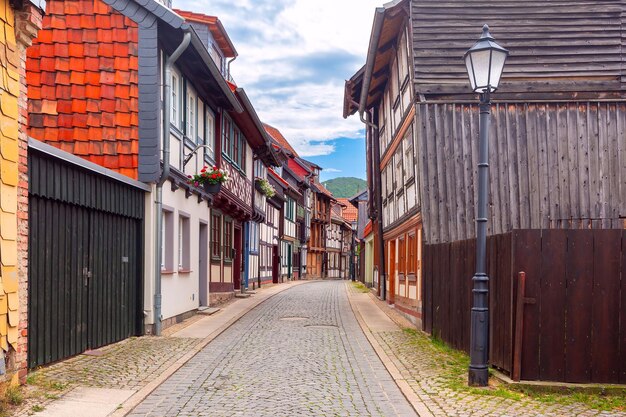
x: 294, y: 56
x: 331, y: 170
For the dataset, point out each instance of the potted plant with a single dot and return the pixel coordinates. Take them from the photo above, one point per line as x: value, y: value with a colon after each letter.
x: 210, y: 178
x: 264, y: 187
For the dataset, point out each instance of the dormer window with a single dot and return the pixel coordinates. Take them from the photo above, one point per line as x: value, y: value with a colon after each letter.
x: 216, y: 55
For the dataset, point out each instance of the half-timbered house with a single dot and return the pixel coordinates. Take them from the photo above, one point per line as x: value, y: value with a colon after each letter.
x: 557, y: 174
x: 383, y: 89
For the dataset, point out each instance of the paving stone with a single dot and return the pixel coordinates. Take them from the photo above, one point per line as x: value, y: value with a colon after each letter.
x: 263, y: 365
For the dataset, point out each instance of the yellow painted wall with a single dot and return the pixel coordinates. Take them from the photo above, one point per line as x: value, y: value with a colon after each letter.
x: 9, y: 92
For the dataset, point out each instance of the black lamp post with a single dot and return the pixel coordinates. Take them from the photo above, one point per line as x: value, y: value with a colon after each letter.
x: 484, y: 62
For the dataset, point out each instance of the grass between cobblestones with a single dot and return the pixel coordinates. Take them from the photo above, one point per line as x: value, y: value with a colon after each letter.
x: 359, y: 287
x: 454, y: 365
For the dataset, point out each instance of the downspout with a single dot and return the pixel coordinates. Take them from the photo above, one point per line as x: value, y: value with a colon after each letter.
x: 378, y: 197
x: 246, y: 256
x: 167, y: 86
x: 230, y: 61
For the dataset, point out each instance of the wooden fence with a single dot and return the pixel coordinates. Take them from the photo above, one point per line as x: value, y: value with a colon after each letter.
x: 573, y: 326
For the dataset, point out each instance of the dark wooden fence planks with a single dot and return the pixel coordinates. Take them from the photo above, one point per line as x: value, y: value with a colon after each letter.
x: 573, y: 321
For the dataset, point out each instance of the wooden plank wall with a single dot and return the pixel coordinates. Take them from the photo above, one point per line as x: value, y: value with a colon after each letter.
x: 575, y: 44
x: 552, y: 165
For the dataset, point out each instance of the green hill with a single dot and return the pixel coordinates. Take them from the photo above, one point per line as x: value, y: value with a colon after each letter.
x: 345, y: 187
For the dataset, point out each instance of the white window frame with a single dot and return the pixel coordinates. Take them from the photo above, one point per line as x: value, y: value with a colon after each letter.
x: 209, y: 132
x: 191, y: 114
x: 184, y: 241
x: 175, y: 100
x: 167, y: 249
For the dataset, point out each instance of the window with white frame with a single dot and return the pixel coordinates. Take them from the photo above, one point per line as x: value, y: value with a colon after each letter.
x: 409, y: 159
x: 167, y: 240
x: 209, y: 133
x: 191, y: 116
x: 184, y: 241
x: 176, y: 100
x: 254, y: 237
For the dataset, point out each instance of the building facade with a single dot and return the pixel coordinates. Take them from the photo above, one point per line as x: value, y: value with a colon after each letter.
x: 388, y: 98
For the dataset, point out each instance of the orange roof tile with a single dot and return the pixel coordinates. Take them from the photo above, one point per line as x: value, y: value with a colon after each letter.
x: 349, y: 212
x: 83, y: 84
x: 215, y: 27
x: 279, y: 138
x: 324, y: 190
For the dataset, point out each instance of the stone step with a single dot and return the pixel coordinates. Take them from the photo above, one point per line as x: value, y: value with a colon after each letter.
x: 240, y: 295
x: 207, y: 311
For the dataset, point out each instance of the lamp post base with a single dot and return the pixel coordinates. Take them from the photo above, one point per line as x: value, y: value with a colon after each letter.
x: 478, y: 376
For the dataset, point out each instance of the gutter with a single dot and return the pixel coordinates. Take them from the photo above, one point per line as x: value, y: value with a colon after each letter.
x: 215, y: 72
x: 165, y: 140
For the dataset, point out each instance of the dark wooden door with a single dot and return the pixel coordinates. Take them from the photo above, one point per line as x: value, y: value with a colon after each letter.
x: 237, y: 261
x: 85, y: 261
x: 275, y: 264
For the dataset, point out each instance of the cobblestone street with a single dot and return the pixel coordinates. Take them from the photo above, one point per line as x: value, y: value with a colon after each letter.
x: 301, y: 353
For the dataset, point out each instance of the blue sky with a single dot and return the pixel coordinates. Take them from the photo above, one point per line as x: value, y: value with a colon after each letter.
x: 294, y: 57
x: 348, y: 160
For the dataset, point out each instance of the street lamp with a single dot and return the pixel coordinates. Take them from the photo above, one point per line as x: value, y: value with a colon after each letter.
x: 484, y: 62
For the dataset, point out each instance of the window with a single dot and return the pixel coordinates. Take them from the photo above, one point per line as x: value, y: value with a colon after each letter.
x: 289, y: 209
x: 401, y: 257
x: 228, y: 240
x: 167, y: 238
x: 260, y: 170
x: 184, y: 263
x: 226, y: 132
x: 190, y: 128
x: 235, y: 154
x: 409, y: 159
x: 175, y: 114
x: 216, y: 56
x: 254, y: 237
x: 216, y: 234
x: 399, y: 179
x: 412, y: 255
x: 209, y: 133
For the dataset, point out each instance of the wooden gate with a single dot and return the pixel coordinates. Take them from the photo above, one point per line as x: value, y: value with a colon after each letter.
x: 85, y: 257
x: 571, y: 327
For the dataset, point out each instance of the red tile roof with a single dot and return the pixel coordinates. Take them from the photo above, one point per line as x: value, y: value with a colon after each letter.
x: 350, y: 213
x: 215, y: 27
x: 324, y: 190
x: 298, y: 169
x: 82, y: 73
x: 278, y: 177
x: 279, y: 138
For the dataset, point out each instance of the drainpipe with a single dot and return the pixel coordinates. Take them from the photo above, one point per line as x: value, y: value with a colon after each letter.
x: 230, y: 61
x: 378, y: 200
x: 246, y: 255
x: 165, y: 140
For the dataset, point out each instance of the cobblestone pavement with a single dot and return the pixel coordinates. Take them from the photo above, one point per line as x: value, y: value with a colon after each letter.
x: 129, y: 364
x: 421, y: 366
x: 300, y: 353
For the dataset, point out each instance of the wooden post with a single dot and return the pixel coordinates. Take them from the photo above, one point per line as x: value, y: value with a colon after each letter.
x: 519, y: 326
x: 518, y: 342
